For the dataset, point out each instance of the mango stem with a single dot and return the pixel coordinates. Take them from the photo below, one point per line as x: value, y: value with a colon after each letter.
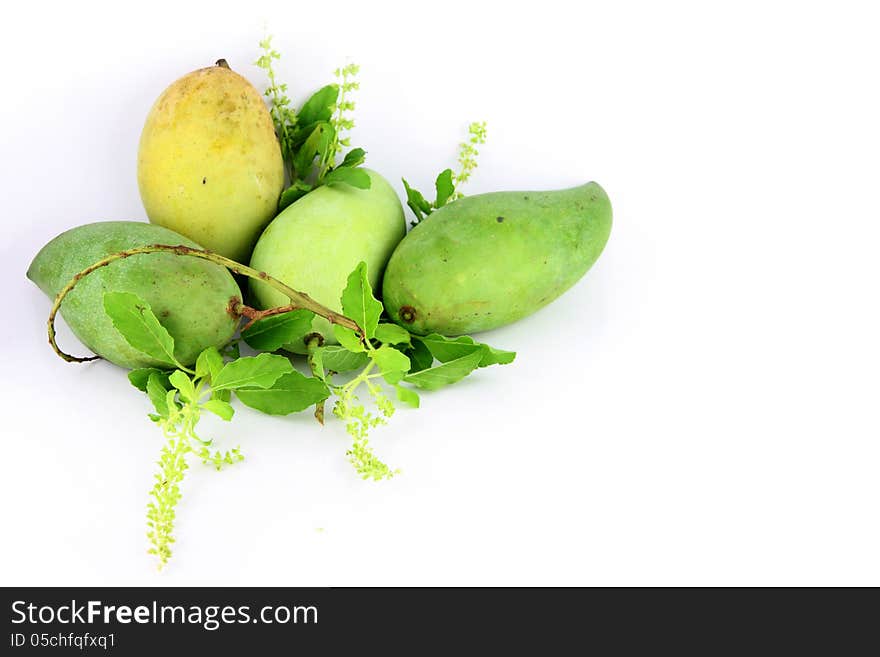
x: 298, y: 299
x: 253, y: 314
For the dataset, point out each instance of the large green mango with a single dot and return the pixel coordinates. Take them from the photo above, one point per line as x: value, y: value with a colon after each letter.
x: 190, y: 297
x: 488, y: 260
x: 316, y: 242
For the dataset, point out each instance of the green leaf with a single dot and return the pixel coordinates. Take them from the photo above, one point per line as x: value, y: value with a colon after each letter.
x: 169, y: 400
x: 293, y: 193
x: 354, y: 158
x: 447, y: 349
x: 493, y: 356
x: 252, y: 371
x: 275, y: 331
x: 209, y: 363
x: 222, y: 395
x: 392, y: 334
x: 358, y: 302
x: 416, y: 202
x: 319, y: 107
x: 447, y: 373
x: 231, y: 350
x: 184, y: 384
x: 134, y: 319
x: 445, y: 188
x: 407, y: 395
x: 348, y: 338
x: 420, y: 356
x: 291, y: 393
x: 140, y: 376
x: 392, y: 363
x: 220, y: 408
x: 317, y: 143
x: 158, y: 394
x: 354, y: 177
x: 340, y: 359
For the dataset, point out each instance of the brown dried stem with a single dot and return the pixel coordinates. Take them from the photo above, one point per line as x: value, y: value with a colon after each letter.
x: 298, y: 299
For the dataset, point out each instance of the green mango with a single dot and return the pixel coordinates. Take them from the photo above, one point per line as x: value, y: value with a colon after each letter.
x: 488, y: 260
x: 190, y: 297
x: 317, y: 241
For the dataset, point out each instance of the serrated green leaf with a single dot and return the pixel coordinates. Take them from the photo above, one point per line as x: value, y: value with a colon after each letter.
x: 445, y: 188
x: 392, y: 363
x: 291, y: 393
x: 220, y: 408
x: 317, y: 143
x: 157, y: 393
x: 446, y: 349
x: 354, y: 158
x: 358, y: 302
x: 275, y: 331
x: 407, y: 395
x: 348, y: 338
x: 134, y: 319
x: 420, y: 356
x: 355, y: 177
x: 209, y: 363
x: 184, y: 384
x: 493, y: 356
x: 259, y: 371
x: 140, y: 376
x: 392, y: 334
x: 447, y: 373
x: 416, y: 202
x: 319, y: 107
x: 339, y: 359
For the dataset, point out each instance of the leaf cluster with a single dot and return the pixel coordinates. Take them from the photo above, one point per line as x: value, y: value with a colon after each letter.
x: 313, y: 136
x: 366, y: 373
x: 266, y: 382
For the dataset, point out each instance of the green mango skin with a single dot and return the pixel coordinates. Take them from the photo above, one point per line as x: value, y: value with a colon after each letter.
x: 190, y: 297
x: 488, y: 260
x: 316, y: 242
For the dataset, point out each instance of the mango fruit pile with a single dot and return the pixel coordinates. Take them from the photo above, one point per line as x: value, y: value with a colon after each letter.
x: 210, y: 172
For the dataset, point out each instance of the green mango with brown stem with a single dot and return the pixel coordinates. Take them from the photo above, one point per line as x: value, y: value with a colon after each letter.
x: 192, y: 298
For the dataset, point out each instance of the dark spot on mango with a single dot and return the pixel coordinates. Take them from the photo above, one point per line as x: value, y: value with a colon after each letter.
x: 314, y: 338
x: 263, y: 275
x: 164, y: 313
x: 499, y: 219
x: 232, y: 308
x: 407, y: 314
x: 204, y: 180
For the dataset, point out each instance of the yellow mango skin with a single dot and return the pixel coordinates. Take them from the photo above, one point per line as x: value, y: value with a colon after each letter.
x: 316, y: 242
x: 209, y: 163
x: 491, y: 259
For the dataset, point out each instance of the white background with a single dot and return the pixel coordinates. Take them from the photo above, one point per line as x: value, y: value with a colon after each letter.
x: 702, y: 408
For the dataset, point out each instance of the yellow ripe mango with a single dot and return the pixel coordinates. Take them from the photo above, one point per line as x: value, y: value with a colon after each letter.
x: 209, y: 163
